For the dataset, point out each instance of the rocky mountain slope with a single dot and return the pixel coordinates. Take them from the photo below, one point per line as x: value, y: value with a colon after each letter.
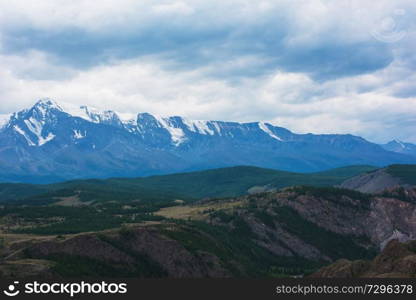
x: 383, y: 179
x: 52, y: 142
x: 283, y: 233
x: 175, y: 250
x: 317, y: 215
x: 397, y: 260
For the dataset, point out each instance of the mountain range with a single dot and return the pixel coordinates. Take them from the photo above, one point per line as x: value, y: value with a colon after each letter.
x: 53, y: 142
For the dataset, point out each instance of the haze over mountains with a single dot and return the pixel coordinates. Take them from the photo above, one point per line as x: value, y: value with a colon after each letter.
x: 51, y: 142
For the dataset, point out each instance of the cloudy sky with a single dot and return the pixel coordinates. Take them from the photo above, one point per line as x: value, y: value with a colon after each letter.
x: 307, y: 65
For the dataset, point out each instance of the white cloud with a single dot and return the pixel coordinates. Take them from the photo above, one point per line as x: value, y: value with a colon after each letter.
x: 173, y: 8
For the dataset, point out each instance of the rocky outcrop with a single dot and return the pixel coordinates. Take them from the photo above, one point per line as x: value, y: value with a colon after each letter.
x: 90, y: 246
x: 393, y: 177
x: 391, y: 218
x: 397, y: 260
x: 380, y: 218
x: 130, y: 250
x: 373, y: 182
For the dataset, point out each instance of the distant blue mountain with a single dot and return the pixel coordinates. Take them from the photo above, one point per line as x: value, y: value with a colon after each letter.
x: 52, y: 142
x: 401, y: 147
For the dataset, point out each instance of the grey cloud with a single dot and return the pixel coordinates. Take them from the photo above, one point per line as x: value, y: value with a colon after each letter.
x: 187, y: 46
x: 216, y: 60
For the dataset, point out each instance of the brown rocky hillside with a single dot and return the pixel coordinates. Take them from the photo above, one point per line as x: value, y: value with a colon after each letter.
x: 397, y: 260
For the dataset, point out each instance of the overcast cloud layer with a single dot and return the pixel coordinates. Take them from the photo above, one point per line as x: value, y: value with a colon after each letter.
x: 308, y: 65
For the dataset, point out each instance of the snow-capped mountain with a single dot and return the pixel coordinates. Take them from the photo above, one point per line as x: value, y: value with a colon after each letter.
x: 55, y: 141
x: 400, y: 147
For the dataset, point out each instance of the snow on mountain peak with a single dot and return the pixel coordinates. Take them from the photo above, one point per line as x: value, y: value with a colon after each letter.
x: 23, y: 133
x: 127, y: 118
x: 30, y: 123
x: 177, y: 134
x: 199, y: 126
x: 90, y: 114
x: 78, y: 134
x: 76, y: 111
x: 36, y: 127
x: 43, y: 140
x: 43, y: 107
x: 47, y: 102
x: 177, y: 127
x: 95, y: 115
x: 265, y: 127
x: 400, y: 143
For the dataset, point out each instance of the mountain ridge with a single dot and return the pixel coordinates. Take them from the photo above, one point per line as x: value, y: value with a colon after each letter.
x: 50, y: 142
x: 397, y: 260
x: 216, y: 183
x: 400, y: 147
x: 383, y: 179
